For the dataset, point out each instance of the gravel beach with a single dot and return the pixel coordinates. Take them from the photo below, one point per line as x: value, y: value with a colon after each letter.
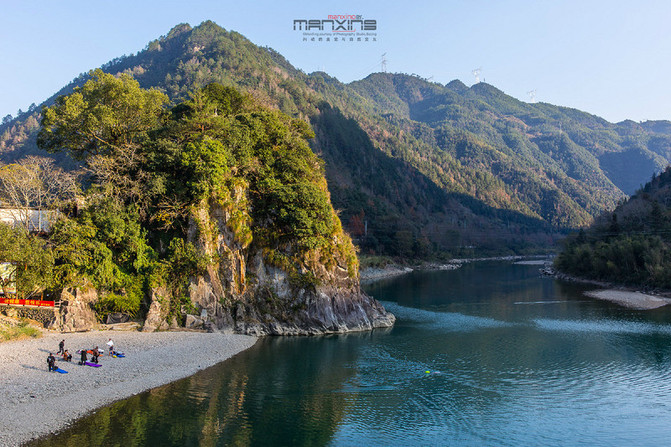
x: 36, y: 402
x: 632, y: 300
x: 374, y: 274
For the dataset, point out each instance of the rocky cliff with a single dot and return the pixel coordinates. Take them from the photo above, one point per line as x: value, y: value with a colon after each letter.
x: 242, y: 292
x: 76, y: 313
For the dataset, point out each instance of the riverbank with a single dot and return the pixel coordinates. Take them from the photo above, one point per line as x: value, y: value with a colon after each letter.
x: 371, y: 274
x: 630, y: 299
x: 37, y: 403
x: 623, y: 295
x: 376, y: 273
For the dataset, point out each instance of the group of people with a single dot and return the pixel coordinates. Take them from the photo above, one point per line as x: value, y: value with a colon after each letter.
x: 64, y: 352
x: 51, y: 360
x: 95, y: 353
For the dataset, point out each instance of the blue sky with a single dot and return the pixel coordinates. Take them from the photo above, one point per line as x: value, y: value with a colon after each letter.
x: 609, y: 58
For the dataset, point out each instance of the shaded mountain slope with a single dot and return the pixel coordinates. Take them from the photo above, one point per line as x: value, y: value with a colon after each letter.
x: 414, y: 166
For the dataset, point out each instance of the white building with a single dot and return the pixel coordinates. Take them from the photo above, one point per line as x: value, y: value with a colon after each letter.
x: 37, y: 220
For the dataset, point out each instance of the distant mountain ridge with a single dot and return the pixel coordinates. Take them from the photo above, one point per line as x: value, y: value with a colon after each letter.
x: 414, y: 166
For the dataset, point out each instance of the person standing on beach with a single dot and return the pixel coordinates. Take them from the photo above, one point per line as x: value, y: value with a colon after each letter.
x: 110, y: 346
x: 83, y: 357
x: 61, y: 347
x: 51, y: 362
x: 94, y: 356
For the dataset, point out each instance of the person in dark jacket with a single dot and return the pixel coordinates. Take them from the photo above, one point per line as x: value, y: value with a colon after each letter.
x: 61, y: 347
x: 95, y: 354
x: 83, y: 357
x: 51, y: 362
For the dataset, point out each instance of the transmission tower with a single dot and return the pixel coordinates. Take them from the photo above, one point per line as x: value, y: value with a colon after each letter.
x: 532, y: 95
x: 476, y: 73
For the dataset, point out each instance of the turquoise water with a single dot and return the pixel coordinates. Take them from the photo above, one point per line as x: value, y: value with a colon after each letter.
x: 490, y: 354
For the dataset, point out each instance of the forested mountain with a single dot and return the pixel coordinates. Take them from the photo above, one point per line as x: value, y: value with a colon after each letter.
x: 630, y: 245
x: 414, y: 167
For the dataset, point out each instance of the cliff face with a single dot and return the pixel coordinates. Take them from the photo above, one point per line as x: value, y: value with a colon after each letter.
x: 77, y: 313
x: 242, y: 292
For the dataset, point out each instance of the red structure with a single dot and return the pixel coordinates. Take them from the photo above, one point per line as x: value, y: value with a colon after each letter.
x: 31, y: 303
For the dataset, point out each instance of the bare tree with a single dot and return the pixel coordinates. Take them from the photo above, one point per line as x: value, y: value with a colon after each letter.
x: 121, y: 175
x: 32, y: 186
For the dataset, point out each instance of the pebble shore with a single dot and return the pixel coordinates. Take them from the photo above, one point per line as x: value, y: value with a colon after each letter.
x: 35, y: 402
x: 630, y: 299
x: 374, y: 274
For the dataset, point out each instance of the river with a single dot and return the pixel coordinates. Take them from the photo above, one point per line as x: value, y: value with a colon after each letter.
x: 489, y: 354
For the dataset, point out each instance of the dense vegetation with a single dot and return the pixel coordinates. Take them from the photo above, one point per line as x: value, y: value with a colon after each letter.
x: 151, y: 168
x: 34, y: 260
x: 414, y: 167
x: 631, y: 245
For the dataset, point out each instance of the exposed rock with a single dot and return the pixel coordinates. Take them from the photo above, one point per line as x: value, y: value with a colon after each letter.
x: 242, y: 293
x: 12, y: 312
x: 274, y: 309
x: 548, y: 271
x: 40, y: 317
x: 126, y: 327
x: 325, y: 312
x: 43, y: 316
x: 76, y: 312
x: 158, y: 310
x: 193, y: 322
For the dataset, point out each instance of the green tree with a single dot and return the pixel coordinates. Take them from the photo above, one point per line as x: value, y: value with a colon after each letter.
x: 105, y: 123
x: 106, y: 247
x: 32, y: 256
x: 107, y: 116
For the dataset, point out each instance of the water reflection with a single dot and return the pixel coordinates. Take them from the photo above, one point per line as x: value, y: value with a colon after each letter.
x: 490, y: 354
x: 278, y: 393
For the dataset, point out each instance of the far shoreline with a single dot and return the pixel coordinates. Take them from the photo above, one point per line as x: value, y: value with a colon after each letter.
x: 626, y: 295
x: 372, y: 274
x: 637, y: 298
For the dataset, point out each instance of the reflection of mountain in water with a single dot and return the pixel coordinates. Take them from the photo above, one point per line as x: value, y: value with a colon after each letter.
x: 251, y: 399
x: 465, y: 368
